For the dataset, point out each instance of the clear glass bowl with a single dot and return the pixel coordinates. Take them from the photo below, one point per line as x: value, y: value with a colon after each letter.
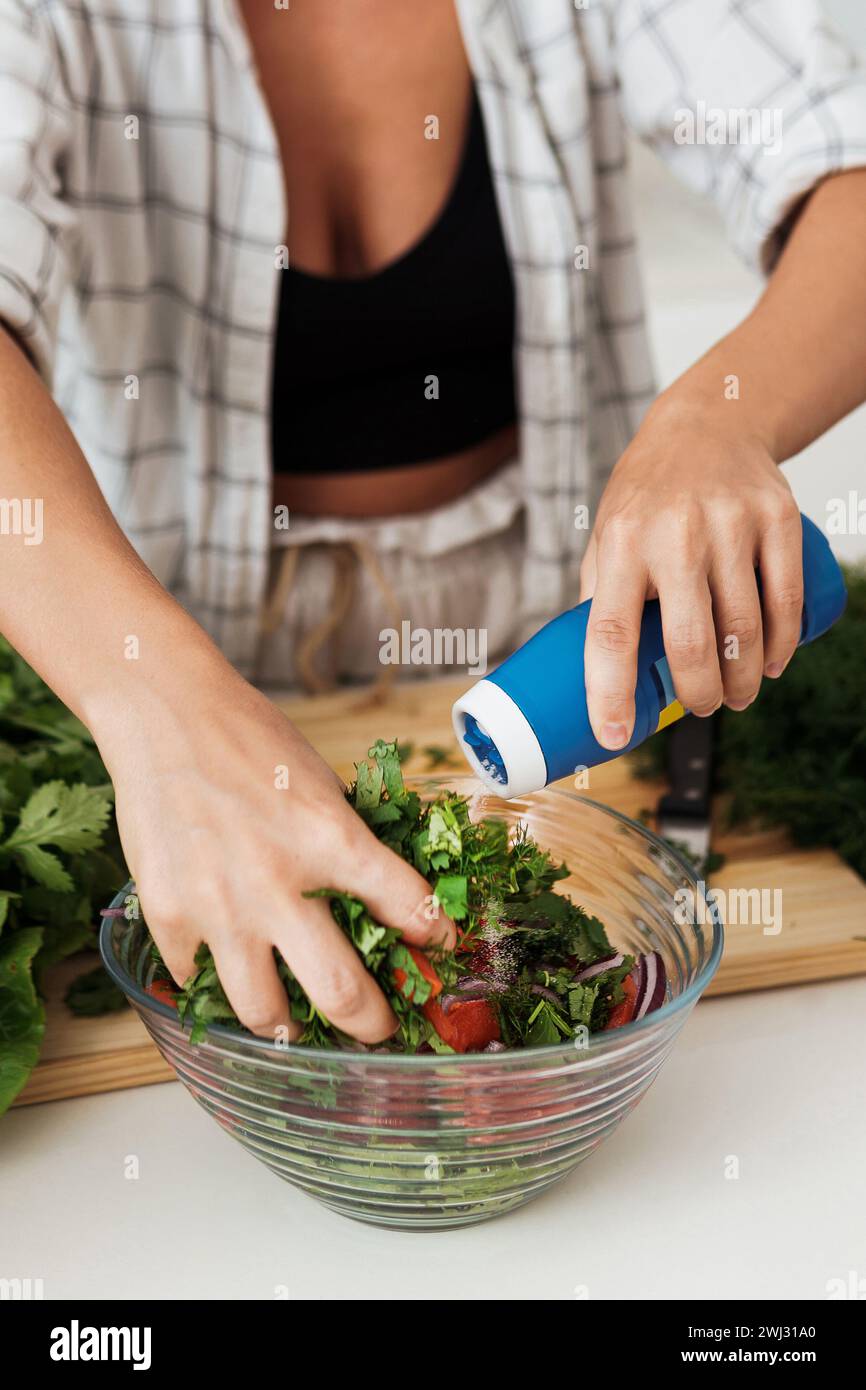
x: 421, y: 1142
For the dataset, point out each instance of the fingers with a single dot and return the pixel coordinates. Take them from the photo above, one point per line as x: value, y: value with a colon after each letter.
x: 739, y: 630
x: 332, y: 974
x: 699, y: 549
x: 690, y: 639
x: 588, y: 571
x: 248, y: 974
x: 170, y: 926
x: 612, y: 637
x: 326, y: 963
x: 781, y: 564
x: 396, y: 894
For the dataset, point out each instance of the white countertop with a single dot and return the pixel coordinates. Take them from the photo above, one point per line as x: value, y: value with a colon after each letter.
x: 776, y: 1079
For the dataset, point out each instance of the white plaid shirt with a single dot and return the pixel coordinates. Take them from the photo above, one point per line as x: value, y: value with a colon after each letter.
x: 139, y: 254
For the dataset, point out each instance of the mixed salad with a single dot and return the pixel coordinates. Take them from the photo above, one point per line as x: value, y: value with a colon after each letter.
x: 530, y: 967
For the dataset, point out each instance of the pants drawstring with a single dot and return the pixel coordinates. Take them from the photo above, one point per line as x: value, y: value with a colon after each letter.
x: 275, y: 604
x: 350, y: 557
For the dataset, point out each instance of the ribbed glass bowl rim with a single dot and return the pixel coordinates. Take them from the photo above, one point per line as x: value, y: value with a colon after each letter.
x: 599, y: 1043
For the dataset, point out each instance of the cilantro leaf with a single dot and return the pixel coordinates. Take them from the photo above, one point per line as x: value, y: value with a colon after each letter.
x: 72, y: 818
x: 546, y: 1026
x: 450, y: 892
x: 60, y: 855
x: 581, y: 1001
x: 22, y: 1017
x: 6, y: 898
x: 46, y: 868
x: 368, y: 786
x: 387, y: 760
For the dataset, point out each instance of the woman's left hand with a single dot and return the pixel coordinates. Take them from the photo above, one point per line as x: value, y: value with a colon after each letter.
x: 694, y: 505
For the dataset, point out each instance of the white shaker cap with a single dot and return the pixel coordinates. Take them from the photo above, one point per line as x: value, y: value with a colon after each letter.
x: 506, y: 725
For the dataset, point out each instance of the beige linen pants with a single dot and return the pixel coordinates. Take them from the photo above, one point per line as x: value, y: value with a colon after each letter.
x: 362, y: 601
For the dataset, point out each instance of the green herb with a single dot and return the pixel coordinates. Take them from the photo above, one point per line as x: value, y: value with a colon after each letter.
x: 94, y: 993
x: 22, y: 1017
x: 67, y: 817
x: 702, y: 864
x: 60, y: 857
x: 439, y: 757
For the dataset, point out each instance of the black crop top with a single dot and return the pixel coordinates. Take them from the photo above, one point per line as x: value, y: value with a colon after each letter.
x: 355, y: 359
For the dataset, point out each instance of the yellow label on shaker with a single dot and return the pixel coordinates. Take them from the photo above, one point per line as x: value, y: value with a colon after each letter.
x: 670, y: 714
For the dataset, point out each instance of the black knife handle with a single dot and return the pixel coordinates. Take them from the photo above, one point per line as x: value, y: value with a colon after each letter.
x: 689, y: 768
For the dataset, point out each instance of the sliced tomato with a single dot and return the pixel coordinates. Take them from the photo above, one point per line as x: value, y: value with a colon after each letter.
x: 425, y: 965
x: 483, y: 954
x: 623, y: 1012
x: 484, y: 957
x: 162, y: 990
x: 468, y: 1026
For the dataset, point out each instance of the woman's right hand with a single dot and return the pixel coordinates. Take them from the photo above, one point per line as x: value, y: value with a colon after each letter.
x: 227, y: 816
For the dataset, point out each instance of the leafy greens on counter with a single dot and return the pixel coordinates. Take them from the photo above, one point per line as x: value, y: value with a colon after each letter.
x: 60, y: 857
x: 796, y: 758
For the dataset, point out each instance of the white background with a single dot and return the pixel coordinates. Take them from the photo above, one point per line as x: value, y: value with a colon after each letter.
x: 698, y: 290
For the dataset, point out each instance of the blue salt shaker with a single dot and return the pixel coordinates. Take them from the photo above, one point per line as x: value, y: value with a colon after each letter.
x: 526, y: 724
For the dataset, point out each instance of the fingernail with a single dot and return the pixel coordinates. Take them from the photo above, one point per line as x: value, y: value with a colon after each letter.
x: 739, y: 704
x: 774, y: 669
x: 614, y: 735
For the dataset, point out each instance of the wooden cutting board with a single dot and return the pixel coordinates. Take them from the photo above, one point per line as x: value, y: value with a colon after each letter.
x: 824, y: 932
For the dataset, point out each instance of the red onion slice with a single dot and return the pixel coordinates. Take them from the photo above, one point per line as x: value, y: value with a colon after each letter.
x: 469, y: 983
x: 651, y: 980
x: 480, y: 986
x: 545, y: 993
x: 598, y: 967
x: 638, y: 975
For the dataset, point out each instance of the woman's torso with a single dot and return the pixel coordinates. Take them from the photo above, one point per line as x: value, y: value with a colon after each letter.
x: 351, y: 90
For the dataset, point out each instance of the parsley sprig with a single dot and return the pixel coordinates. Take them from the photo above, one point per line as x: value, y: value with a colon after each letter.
x: 60, y: 860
